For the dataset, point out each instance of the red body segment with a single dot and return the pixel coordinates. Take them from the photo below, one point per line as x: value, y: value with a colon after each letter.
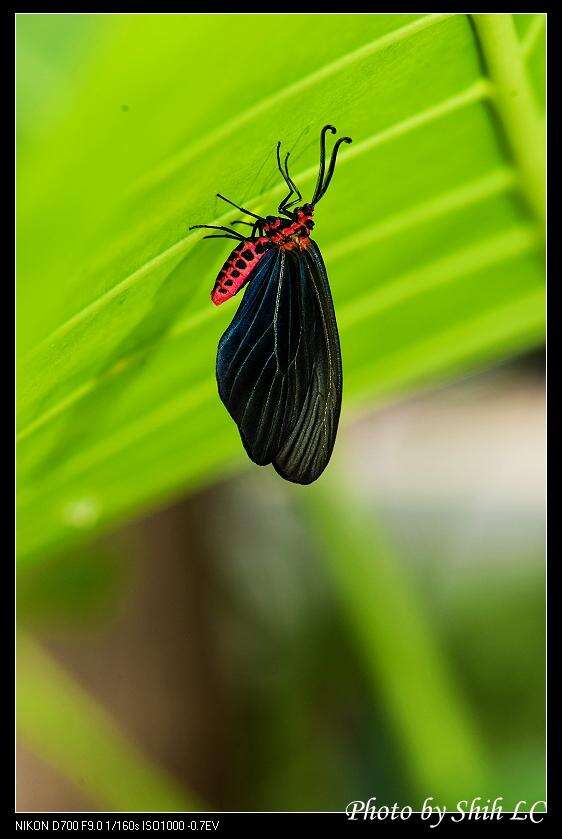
x: 237, y: 268
x: 277, y: 232
x: 289, y: 234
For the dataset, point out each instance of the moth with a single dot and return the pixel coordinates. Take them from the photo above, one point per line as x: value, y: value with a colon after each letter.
x: 279, y: 367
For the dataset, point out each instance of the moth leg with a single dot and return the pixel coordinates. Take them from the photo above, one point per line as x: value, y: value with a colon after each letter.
x: 233, y: 233
x: 293, y: 188
x: 224, y: 236
x: 256, y: 226
x: 238, y: 207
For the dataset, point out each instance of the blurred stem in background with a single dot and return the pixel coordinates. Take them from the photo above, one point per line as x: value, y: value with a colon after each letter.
x: 442, y: 747
x: 516, y: 104
x: 69, y: 730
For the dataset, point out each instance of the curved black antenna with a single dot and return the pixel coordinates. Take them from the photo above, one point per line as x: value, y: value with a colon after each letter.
x: 238, y: 207
x: 322, y: 166
x: 324, y: 186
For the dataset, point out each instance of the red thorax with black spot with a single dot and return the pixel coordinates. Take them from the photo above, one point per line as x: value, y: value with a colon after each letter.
x: 277, y: 232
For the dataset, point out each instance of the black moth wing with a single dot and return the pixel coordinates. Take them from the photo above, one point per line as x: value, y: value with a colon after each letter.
x: 279, y: 369
x: 307, y: 450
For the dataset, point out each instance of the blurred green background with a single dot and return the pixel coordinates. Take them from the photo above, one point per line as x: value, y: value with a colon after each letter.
x: 193, y: 631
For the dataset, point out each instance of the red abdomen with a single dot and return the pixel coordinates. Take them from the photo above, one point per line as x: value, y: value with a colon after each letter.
x: 237, y: 269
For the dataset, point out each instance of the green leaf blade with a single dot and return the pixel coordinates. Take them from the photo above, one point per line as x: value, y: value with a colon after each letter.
x: 434, y: 258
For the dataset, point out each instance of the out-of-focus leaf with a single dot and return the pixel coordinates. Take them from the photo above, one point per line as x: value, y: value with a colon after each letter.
x: 430, y: 231
x: 438, y: 735
x: 69, y: 588
x: 69, y: 730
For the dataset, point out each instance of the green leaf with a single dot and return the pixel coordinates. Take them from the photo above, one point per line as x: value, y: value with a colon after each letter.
x: 432, y: 230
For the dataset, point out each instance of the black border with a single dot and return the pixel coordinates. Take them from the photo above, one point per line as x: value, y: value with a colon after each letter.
x: 318, y: 820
